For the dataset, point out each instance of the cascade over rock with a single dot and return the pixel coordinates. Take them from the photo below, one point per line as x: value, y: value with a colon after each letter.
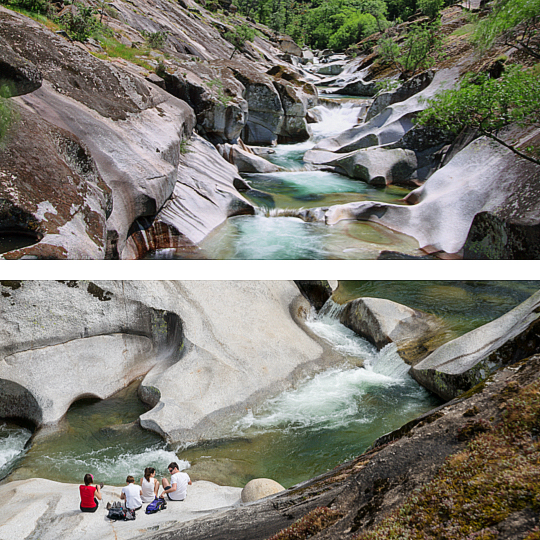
x: 381, y: 321
x: 460, y: 364
x: 94, y: 338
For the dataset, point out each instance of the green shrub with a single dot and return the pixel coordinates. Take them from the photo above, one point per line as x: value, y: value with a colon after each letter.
x: 514, y: 22
x: 80, y: 24
x: 430, y: 8
x: 155, y: 40
x: 358, y: 26
x: 486, y: 104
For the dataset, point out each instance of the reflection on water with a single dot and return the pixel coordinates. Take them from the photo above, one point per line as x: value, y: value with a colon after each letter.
x: 464, y: 305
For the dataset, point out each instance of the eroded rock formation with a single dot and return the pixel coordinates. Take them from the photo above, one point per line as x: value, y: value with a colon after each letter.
x: 92, y: 339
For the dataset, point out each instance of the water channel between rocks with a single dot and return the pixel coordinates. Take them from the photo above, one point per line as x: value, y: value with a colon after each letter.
x: 326, y: 420
x: 272, y: 233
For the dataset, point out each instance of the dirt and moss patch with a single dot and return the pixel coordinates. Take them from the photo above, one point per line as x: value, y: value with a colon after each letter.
x: 317, y: 520
x: 476, y: 490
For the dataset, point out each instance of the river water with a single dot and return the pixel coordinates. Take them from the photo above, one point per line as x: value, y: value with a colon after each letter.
x: 274, y: 233
x: 327, y: 419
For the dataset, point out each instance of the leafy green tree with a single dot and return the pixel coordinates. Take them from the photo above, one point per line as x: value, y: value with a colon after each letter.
x: 430, y: 8
x: 379, y: 10
x: 488, y: 105
x: 420, y: 49
x: 80, y: 23
x: 239, y: 36
x: 353, y: 30
x: 515, y: 22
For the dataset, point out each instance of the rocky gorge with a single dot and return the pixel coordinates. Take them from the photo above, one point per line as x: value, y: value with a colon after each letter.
x: 102, y: 335
x: 147, y: 152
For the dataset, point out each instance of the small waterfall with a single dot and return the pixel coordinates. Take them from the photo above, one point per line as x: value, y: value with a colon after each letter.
x: 331, y: 309
x: 13, y: 440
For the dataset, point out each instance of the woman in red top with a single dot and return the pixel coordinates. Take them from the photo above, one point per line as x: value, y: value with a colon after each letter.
x: 90, y: 494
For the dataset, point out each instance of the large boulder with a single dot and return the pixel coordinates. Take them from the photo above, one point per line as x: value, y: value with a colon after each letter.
x: 52, y: 196
x: 132, y: 129
x: 266, y: 112
x: 381, y: 322
x: 317, y: 292
x: 17, y: 75
x: 404, y: 91
x: 379, y: 166
x: 259, y: 488
x: 62, y: 341
x: 246, y: 160
x: 462, y: 363
x: 215, y: 95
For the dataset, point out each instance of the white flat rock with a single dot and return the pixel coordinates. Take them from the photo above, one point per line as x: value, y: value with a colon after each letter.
x: 50, y: 511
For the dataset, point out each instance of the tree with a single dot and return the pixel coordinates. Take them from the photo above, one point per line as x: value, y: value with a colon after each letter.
x: 515, y: 22
x: 419, y: 50
x: 488, y: 105
x: 239, y: 36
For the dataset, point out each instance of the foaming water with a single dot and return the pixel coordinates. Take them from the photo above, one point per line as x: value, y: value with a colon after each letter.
x: 111, y: 464
x: 12, y: 446
x: 333, y: 121
x: 360, y: 396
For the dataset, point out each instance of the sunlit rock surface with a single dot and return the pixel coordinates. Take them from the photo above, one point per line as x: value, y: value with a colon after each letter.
x: 226, y: 344
x: 382, y: 321
x: 462, y: 363
x: 50, y: 510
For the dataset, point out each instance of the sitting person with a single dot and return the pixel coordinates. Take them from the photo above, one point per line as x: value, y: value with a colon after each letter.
x: 90, y: 494
x: 177, y: 489
x: 132, y: 494
x: 149, y: 485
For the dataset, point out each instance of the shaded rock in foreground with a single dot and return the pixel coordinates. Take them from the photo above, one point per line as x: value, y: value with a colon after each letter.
x: 317, y: 292
x: 462, y: 363
x: 381, y: 322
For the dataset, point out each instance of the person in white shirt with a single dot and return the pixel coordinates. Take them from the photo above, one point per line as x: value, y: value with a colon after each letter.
x: 132, y: 494
x: 149, y: 485
x: 177, y: 489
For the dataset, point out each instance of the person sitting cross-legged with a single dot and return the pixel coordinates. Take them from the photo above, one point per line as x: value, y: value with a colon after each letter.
x: 132, y: 494
x: 177, y: 489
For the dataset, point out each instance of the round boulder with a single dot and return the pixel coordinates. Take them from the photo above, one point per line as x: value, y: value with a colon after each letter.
x: 259, y: 488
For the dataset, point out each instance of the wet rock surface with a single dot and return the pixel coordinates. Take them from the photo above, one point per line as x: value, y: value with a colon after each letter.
x: 382, y: 322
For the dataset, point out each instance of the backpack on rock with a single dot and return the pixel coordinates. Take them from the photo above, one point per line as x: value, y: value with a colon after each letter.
x: 155, y: 506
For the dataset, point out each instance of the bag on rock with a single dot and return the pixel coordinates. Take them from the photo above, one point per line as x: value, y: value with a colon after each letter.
x: 121, y: 514
x: 117, y: 513
x: 155, y: 506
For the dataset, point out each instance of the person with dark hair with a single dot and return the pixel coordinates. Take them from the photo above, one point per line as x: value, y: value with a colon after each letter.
x: 132, y: 494
x: 177, y: 489
x: 149, y: 485
x: 90, y: 494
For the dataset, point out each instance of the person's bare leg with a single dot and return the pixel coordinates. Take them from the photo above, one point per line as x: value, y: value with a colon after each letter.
x: 165, y: 484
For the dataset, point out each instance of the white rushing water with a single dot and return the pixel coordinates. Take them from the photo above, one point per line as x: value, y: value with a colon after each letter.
x: 12, y: 446
x: 111, y: 466
x: 342, y: 396
x: 333, y: 121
